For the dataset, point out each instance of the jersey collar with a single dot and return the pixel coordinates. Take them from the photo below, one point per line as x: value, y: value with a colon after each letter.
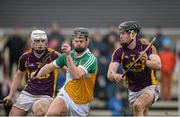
x: 86, y: 51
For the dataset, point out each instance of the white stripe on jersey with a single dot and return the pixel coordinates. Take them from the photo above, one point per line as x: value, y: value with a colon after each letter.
x: 90, y: 63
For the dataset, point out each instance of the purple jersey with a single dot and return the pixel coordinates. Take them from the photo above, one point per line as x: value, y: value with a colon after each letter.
x: 45, y: 85
x: 139, y: 76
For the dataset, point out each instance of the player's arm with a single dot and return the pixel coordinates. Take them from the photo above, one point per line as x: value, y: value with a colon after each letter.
x: 17, y: 78
x: 154, y: 62
x: 46, y: 69
x: 15, y: 83
x: 75, y: 71
x: 112, y: 74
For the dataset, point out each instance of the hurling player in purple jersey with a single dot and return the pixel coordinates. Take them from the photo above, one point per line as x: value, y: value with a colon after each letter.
x: 140, y: 79
x: 38, y: 93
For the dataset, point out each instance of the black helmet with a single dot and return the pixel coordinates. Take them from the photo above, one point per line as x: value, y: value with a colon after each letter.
x: 128, y: 26
x: 81, y: 32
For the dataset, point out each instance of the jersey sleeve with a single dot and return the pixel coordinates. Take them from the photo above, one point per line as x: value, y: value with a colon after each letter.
x: 151, y: 50
x: 22, y: 63
x: 117, y: 56
x: 89, y: 64
x: 60, y: 61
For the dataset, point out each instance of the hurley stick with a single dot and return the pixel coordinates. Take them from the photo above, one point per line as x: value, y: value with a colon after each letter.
x: 150, y: 44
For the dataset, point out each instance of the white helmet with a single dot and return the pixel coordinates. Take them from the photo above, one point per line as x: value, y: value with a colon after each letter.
x: 38, y: 34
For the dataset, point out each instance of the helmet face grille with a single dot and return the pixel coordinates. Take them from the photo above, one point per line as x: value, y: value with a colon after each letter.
x: 81, y: 32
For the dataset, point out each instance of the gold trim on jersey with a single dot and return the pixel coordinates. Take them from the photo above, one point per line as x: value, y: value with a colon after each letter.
x: 114, y: 53
x: 55, y: 80
x: 153, y: 78
x: 145, y: 41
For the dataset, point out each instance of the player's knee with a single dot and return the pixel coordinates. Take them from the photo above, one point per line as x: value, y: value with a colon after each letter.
x: 137, y: 106
x: 40, y: 108
x: 40, y: 111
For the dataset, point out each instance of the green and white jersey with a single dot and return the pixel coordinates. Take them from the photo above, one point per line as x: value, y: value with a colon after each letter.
x: 80, y: 90
x: 86, y: 61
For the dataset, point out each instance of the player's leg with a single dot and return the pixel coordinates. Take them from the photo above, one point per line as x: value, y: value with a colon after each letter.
x: 146, y: 111
x: 143, y: 102
x: 41, y: 106
x: 57, y: 107
x: 17, y: 112
x: 22, y: 104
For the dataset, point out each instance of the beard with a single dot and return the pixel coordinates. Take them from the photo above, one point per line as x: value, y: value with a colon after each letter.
x: 125, y: 44
x: 80, y: 49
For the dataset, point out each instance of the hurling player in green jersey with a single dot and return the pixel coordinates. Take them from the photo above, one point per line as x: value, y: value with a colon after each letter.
x: 74, y: 98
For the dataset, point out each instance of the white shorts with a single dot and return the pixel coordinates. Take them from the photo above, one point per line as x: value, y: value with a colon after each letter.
x: 134, y: 95
x: 25, y: 100
x: 73, y: 108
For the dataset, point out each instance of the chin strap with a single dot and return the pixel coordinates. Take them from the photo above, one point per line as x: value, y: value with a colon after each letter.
x: 132, y: 35
x: 127, y: 44
x: 39, y: 51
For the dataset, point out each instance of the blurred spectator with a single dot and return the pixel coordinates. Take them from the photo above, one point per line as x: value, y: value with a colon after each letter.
x: 1, y: 45
x: 98, y: 43
x: 55, y: 37
x: 118, y: 103
x: 28, y: 44
x: 14, y: 46
x: 168, y: 59
x: 159, y: 38
x: 141, y: 35
x: 111, y: 37
x: 99, y: 49
x: 115, y: 104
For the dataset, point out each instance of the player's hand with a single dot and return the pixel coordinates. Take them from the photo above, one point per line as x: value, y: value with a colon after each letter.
x: 8, y: 100
x: 116, y: 77
x: 32, y: 75
x: 143, y: 57
x: 66, y: 48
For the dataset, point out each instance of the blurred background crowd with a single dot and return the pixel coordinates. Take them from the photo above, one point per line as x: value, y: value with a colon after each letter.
x: 19, y: 18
